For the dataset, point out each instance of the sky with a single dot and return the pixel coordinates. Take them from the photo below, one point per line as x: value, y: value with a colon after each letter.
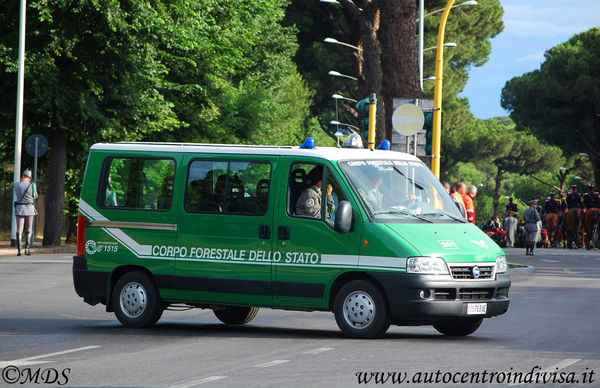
x: 530, y: 28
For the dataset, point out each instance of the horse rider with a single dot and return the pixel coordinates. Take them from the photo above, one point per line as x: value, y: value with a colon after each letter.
x: 511, y: 206
x: 591, y: 198
x: 574, y: 199
x: 551, y: 205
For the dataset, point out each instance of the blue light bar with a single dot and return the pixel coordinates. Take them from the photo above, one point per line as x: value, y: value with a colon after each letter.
x: 308, y: 143
x: 385, y: 145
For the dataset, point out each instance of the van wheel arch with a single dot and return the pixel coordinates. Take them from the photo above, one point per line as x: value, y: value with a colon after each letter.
x: 350, y: 276
x: 116, y: 275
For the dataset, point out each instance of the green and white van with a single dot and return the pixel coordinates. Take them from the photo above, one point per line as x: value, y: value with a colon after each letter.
x: 219, y: 227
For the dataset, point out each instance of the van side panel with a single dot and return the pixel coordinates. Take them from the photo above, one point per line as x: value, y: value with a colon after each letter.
x: 228, y: 259
x: 120, y: 236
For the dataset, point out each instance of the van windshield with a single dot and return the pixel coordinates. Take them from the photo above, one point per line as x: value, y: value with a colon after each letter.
x: 400, y: 190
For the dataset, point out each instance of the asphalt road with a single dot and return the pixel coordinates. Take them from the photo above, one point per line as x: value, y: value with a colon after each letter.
x: 552, y: 326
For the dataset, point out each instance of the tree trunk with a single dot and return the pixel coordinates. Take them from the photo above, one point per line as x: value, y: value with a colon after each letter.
x: 497, y: 190
x: 399, y: 54
x: 369, y: 65
x: 55, y: 194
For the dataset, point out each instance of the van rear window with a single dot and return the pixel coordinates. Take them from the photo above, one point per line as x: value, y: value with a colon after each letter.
x: 228, y: 187
x: 138, y: 183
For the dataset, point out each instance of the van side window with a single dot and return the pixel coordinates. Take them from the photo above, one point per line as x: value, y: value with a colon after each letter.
x: 312, y: 193
x: 334, y: 196
x: 138, y: 183
x: 228, y: 187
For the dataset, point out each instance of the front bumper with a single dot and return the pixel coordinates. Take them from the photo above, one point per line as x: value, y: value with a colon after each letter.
x: 423, y: 299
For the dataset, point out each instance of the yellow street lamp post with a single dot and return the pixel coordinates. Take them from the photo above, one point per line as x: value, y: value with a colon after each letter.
x: 436, y: 144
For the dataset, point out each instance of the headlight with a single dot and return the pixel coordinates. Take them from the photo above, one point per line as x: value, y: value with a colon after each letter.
x: 426, y: 265
x: 501, y: 264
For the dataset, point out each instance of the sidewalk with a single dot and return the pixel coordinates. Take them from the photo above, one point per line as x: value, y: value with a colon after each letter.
x: 7, y: 251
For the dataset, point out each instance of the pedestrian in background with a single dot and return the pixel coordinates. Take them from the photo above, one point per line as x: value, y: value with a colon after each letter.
x: 531, y: 218
x: 510, y: 228
x: 469, y: 199
x: 25, y: 193
x: 458, y: 190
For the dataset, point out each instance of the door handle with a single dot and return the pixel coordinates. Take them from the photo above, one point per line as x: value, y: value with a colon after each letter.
x: 264, y: 232
x: 283, y: 232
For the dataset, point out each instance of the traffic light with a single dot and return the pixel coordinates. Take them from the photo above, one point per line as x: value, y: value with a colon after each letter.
x: 428, y: 127
x: 367, y: 108
x: 362, y: 107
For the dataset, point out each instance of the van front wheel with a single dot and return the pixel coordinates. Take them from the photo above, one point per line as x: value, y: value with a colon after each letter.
x: 136, y: 301
x: 458, y: 327
x: 234, y: 315
x: 360, y: 310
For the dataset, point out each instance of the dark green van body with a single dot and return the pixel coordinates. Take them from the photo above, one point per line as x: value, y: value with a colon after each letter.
x: 250, y: 249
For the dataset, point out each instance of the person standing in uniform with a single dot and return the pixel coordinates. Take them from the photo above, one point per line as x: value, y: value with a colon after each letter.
x: 531, y: 218
x: 25, y: 193
x: 469, y: 199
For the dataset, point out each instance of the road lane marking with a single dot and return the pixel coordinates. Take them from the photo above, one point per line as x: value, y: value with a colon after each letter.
x: 199, y: 382
x: 271, y: 363
x: 550, y: 261
x: 318, y: 350
x: 32, y: 360
x: 554, y: 368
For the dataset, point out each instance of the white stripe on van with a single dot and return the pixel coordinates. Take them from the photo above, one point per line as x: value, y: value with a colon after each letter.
x: 116, y: 233
x: 382, y: 261
x: 327, y: 261
x: 340, y: 260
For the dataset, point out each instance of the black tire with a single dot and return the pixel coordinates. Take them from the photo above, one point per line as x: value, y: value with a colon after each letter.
x: 458, y: 327
x: 236, y: 315
x: 360, y: 310
x: 136, y: 301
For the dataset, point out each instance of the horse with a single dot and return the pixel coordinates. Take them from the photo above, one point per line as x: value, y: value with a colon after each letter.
x: 591, y: 221
x: 573, y: 227
x: 551, y: 222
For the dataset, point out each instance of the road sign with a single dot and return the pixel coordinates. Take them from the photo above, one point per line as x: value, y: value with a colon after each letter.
x: 407, y: 119
x: 42, y: 145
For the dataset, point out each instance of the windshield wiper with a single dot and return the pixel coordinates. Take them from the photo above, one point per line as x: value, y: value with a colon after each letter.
x: 403, y: 212
x: 445, y: 214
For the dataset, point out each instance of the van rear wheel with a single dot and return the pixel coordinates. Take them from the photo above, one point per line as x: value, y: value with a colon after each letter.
x: 236, y: 315
x: 360, y: 310
x: 136, y: 301
x: 458, y: 327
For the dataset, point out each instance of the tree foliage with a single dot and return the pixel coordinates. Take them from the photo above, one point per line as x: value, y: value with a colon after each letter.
x: 469, y: 27
x: 560, y: 102
x: 177, y: 70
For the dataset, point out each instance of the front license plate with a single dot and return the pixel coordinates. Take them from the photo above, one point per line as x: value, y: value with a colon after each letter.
x: 476, y: 308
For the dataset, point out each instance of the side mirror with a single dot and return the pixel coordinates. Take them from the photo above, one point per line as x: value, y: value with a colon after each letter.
x: 343, y: 217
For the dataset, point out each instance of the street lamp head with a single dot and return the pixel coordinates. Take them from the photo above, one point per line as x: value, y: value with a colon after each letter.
x: 562, y: 168
x: 329, y: 1
x: 331, y: 40
x: 340, y: 97
x: 431, y: 78
x: 577, y: 177
x: 338, y: 74
x: 450, y: 44
x: 466, y: 3
x: 584, y: 154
